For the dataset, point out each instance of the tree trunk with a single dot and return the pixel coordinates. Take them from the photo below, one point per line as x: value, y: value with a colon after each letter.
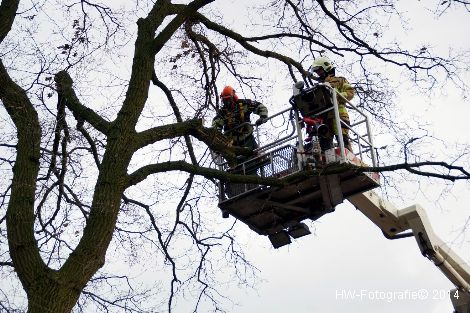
x: 47, y: 295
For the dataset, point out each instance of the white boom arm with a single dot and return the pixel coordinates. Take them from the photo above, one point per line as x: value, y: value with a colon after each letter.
x: 393, y: 221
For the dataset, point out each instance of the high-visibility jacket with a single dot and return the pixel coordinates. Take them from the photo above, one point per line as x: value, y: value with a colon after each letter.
x: 343, y: 87
x: 230, y: 116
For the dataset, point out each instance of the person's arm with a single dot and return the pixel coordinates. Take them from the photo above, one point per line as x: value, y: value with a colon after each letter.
x: 345, y: 89
x: 258, y: 108
x: 218, y: 122
x: 261, y: 110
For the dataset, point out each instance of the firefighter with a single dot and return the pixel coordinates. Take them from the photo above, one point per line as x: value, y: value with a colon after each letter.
x: 235, y: 112
x: 325, y: 71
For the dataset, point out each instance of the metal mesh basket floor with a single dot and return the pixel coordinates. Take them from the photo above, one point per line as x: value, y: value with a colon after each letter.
x: 277, y: 163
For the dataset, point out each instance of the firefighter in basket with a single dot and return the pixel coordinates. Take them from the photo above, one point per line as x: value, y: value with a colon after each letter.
x: 325, y: 72
x: 234, y: 119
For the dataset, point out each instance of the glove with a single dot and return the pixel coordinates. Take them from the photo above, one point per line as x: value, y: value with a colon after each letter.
x: 261, y: 120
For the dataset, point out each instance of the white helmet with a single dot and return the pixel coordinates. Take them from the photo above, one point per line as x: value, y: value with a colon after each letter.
x: 322, y: 62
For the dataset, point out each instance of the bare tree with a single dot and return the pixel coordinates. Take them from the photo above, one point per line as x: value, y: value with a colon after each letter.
x: 88, y: 125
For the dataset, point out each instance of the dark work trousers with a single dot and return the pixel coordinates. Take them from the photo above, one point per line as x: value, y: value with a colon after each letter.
x: 326, y: 142
x: 248, y: 142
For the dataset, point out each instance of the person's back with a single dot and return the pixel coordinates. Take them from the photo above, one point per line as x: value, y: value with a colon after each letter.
x: 326, y: 73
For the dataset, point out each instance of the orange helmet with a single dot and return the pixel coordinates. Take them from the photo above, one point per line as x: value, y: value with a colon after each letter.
x: 229, y: 92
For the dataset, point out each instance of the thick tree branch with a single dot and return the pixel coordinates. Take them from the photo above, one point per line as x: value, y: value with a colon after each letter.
x: 210, y: 136
x: 64, y: 88
x: 168, y: 131
x: 146, y: 47
x: 410, y: 167
x: 142, y: 173
x: 24, y: 251
x: 8, y: 10
x: 414, y: 168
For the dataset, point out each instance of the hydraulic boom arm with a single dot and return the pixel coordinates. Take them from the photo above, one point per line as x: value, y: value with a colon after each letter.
x: 394, y: 222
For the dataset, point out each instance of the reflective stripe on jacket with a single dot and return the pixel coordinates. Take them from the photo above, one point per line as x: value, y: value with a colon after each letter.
x: 342, y: 87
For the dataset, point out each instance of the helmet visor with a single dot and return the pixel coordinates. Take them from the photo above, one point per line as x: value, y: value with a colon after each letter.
x: 314, y: 69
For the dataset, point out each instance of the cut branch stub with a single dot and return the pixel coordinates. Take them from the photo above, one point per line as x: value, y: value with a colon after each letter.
x: 64, y: 87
